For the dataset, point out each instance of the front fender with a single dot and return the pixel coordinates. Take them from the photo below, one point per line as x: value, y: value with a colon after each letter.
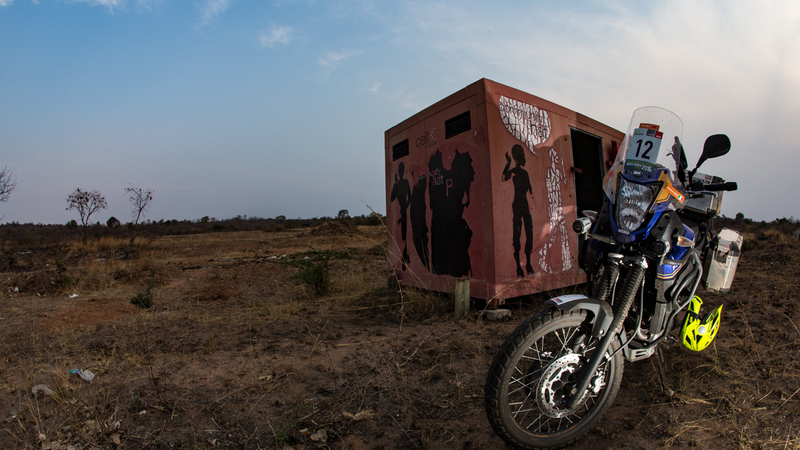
x: 603, y: 314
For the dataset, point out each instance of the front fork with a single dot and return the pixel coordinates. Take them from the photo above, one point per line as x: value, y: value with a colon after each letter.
x: 622, y: 306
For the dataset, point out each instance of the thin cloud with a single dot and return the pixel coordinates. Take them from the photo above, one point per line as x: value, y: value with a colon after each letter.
x: 148, y: 5
x: 332, y: 59
x: 685, y: 49
x: 112, y: 5
x: 277, y: 35
x: 213, y: 8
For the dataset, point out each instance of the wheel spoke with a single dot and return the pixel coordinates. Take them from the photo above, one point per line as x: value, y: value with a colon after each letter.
x: 544, y: 422
x: 530, y: 391
x: 524, y: 385
x: 565, y: 337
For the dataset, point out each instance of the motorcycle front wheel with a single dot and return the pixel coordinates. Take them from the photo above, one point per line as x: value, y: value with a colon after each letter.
x: 535, y: 369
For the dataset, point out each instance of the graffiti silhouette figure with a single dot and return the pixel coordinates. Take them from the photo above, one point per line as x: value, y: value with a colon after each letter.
x: 419, y: 227
x: 449, y: 196
x: 401, y: 191
x: 522, y: 214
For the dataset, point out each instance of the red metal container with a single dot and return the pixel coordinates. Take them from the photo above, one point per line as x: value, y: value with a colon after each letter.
x: 485, y: 185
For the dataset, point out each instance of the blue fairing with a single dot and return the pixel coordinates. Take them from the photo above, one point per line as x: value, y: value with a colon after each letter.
x: 678, y: 252
x: 672, y: 264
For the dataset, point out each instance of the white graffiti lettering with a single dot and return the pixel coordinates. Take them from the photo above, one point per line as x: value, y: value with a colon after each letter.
x: 437, y: 178
x: 556, y: 178
x: 526, y: 122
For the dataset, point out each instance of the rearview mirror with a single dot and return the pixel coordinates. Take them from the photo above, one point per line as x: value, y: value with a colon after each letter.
x: 715, y: 146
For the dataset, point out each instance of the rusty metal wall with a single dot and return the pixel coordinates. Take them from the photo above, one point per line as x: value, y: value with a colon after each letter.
x: 480, y: 186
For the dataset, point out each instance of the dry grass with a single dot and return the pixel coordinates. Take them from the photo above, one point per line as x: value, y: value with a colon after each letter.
x: 238, y: 353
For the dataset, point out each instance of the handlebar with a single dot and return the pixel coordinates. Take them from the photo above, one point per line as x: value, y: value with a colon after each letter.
x: 730, y: 186
x: 699, y: 187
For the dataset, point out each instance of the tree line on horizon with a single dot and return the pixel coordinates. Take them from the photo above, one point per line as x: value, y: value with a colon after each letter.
x: 88, y: 202
x: 24, y: 235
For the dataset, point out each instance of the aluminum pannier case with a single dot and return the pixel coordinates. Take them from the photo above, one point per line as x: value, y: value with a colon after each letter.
x: 721, y: 261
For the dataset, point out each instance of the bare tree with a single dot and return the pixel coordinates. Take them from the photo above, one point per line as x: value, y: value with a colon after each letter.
x: 140, y: 201
x: 7, y: 184
x: 86, y: 203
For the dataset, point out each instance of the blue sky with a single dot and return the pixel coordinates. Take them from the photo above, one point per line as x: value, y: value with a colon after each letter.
x: 266, y: 108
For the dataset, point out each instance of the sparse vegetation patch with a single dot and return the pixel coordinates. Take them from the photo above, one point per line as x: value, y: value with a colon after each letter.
x: 238, y: 351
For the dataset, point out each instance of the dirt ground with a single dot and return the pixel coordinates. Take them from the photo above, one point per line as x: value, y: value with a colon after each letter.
x: 238, y: 351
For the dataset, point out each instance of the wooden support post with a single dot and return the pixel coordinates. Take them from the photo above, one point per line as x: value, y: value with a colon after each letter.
x: 461, y: 297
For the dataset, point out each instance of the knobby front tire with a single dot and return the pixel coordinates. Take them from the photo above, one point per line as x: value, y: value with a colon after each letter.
x: 532, y: 371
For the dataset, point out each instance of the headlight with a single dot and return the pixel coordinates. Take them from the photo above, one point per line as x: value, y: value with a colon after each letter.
x: 633, y: 201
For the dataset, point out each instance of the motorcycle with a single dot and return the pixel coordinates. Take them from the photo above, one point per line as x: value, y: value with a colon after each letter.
x: 646, y: 252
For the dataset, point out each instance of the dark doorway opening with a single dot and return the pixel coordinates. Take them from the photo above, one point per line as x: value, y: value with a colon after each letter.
x: 589, y: 170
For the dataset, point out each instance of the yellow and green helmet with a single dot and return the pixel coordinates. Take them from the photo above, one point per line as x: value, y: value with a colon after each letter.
x: 699, y: 331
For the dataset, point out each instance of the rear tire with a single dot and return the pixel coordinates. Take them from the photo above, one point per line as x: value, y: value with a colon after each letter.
x: 526, y: 384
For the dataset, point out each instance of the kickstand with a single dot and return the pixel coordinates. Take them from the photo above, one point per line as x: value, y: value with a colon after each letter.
x: 660, y: 359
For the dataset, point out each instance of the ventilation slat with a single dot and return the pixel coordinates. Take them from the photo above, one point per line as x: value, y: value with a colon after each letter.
x: 457, y: 125
x: 399, y: 150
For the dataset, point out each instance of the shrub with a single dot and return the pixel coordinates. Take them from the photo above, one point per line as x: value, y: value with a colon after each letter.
x: 144, y: 299
x: 62, y: 280
x: 314, y: 269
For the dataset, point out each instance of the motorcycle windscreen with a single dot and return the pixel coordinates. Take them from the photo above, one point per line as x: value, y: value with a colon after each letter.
x: 652, y: 142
